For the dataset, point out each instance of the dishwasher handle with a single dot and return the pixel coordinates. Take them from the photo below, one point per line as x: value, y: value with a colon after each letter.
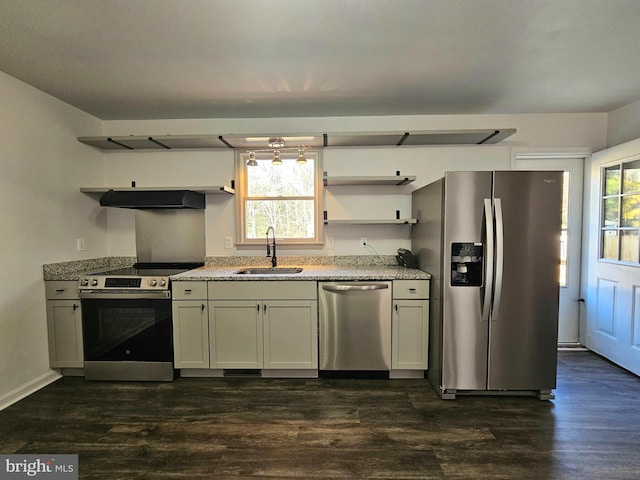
x: 347, y: 288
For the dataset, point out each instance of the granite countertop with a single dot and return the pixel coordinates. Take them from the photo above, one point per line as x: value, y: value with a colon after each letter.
x: 73, y: 270
x: 329, y: 268
x: 309, y: 272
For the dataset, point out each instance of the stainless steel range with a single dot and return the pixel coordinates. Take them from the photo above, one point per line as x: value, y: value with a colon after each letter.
x: 126, y: 321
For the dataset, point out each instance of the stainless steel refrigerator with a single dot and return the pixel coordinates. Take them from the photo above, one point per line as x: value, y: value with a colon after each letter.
x: 491, y: 241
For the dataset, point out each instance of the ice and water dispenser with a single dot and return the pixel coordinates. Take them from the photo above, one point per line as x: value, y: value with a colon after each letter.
x: 467, y: 260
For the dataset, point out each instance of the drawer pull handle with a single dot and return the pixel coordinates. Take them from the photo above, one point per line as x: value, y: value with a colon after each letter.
x: 60, y: 290
x: 187, y: 291
x: 202, y: 307
x: 75, y: 307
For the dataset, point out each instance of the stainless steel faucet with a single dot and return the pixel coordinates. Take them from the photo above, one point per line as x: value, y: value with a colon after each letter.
x: 274, y: 260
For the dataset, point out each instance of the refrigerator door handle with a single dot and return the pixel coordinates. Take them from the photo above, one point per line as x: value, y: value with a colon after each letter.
x: 488, y: 264
x: 497, y: 293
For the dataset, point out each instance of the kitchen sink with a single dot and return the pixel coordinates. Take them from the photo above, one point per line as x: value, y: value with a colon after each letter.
x: 269, y: 271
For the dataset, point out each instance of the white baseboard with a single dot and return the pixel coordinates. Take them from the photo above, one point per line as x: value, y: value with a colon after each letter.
x: 28, y: 388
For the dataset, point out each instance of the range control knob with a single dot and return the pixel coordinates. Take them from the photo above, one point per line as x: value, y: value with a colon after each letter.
x: 153, y: 282
x: 84, y: 282
x: 163, y: 283
x: 94, y: 282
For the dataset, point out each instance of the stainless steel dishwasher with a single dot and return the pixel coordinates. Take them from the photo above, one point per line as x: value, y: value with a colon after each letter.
x: 355, y: 325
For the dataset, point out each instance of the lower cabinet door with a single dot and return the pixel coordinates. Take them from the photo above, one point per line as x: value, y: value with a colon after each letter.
x: 410, y: 335
x: 190, y: 334
x: 64, y: 329
x: 290, y: 334
x: 235, y: 334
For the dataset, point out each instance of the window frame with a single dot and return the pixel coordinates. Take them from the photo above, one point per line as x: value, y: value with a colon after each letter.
x: 619, y: 229
x: 241, y: 199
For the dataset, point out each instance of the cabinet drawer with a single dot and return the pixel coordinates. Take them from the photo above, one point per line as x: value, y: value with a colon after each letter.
x: 189, y: 290
x: 61, y: 289
x: 410, y: 289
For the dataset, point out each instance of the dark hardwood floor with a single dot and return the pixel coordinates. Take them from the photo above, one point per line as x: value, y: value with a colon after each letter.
x: 312, y: 429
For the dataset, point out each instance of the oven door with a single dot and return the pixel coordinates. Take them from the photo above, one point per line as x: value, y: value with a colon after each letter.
x: 127, y: 336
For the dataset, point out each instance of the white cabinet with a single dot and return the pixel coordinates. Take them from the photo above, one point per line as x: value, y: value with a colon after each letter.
x: 290, y: 334
x: 268, y: 325
x: 235, y: 334
x: 64, y: 324
x: 190, y: 325
x: 410, y: 326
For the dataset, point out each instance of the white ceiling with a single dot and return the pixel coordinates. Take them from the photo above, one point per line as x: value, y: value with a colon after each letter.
x: 145, y: 59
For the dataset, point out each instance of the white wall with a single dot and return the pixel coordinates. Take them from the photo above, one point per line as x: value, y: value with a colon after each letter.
x: 161, y: 168
x: 42, y: 214
x: 624, y: 124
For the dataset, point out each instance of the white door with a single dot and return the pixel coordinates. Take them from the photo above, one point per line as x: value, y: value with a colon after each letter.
x: 612, y: 289
x: 569, y: 314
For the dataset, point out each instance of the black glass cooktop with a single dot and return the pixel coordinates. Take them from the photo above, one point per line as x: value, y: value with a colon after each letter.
x: 151, y: 269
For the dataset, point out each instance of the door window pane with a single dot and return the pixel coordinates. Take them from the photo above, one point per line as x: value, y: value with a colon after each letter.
x: 630, y: 211
x: 612, y: 180
x: 610, y: 244
x: 611, y: 212
x: 564, y: 235
x: 631, y: 177
x: 629, y: 246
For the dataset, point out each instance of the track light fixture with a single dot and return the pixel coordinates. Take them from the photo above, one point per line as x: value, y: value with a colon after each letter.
x: 276, y: 146
x: 301, y: 159
x: 276, y: 143
x: 252, y: 160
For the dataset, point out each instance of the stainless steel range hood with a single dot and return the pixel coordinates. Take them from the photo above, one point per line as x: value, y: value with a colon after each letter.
x: 146, y: 199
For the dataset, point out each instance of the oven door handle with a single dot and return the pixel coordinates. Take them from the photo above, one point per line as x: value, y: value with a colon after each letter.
x: 124, y: 295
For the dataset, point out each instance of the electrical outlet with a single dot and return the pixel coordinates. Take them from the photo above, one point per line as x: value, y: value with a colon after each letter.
x: 80, y: 245
x: 228, y: 242
x: 363, y: 241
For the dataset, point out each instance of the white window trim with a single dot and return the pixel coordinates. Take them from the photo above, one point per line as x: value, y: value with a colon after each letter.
x: 241, y: 189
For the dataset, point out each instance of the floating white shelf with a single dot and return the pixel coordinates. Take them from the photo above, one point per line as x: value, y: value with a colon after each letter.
x: 200, y: 189
x: 312, y: 140
x: 388, y: 221
x: 356, y: 180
